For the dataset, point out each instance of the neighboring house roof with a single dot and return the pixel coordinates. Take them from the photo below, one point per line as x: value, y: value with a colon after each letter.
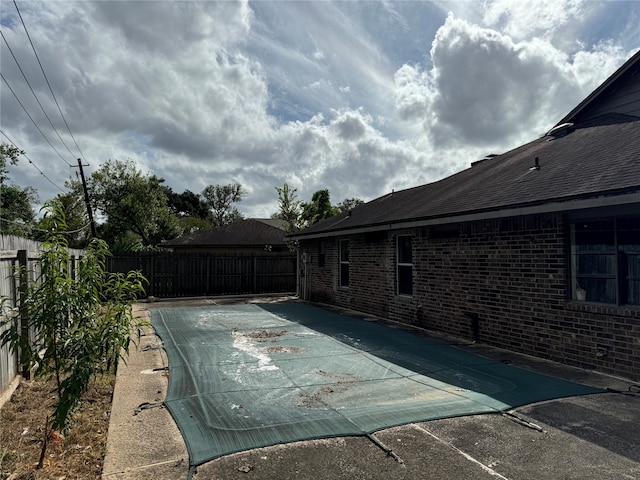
x: 249, y: 232
x: 273, y: 222
x: 592, y: 160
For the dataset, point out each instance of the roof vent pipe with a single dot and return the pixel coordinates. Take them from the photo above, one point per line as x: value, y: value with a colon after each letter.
x: 536, y: 164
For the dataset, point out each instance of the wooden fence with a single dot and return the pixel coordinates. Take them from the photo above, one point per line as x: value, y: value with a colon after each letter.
x: 17, y: 252
x: 169, y: 275
x: 207, y: 274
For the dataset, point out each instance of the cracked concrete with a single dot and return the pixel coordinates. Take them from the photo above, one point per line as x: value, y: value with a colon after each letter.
x: 587, y: 437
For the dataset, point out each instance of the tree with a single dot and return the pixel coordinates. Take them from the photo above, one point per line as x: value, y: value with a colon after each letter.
x: 319, y: 208
x: 133, y: 205
x: 16, y: 209
x: 11, y: 153
x: 349, y: 204
x: 77, y: 219
x: 220, y: 200
x: 186, y: 204
x: 190, y: 209
x: 290, y: 208
x: 299, y: 214
x: 16, y: 203
x: 82, y: 322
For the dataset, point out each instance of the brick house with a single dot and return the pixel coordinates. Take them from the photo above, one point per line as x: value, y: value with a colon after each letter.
x: 536, y: 250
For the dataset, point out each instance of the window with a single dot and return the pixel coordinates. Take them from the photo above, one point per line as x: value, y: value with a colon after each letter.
x: 405, y: 266
x: 605, y: 261
x: 344, y: 263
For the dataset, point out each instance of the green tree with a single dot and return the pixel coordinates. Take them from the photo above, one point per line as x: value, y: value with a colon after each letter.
x: 16, y: 210
x: 319, y: 208
x: 220, y: 200
x: 10, y: 153
x: 133, y: 205
x: 186, y: 204
x: 290, y: 208
x: 16, y: 203
x: 190, y: 209
x: 349, y: 204
x: 82, y: 323
x: 75, y: 211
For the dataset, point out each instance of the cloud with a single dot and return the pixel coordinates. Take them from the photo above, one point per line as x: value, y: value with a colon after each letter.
x: 321, y: 44
x: 164, y: 28
x: 347, y: 154
x: 488, y: 86
x: 590, y: 68
x: 198, y: 98
x: 356, y: 97
x: 351, y: 126
x: 524, y: 20
x: 485, y: 88
x: 414, y: 93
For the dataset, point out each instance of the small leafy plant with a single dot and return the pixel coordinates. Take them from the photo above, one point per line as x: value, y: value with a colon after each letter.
x: 81, y: 318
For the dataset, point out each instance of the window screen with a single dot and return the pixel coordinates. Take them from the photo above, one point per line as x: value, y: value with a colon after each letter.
x: 405, y: 265
x: 344, y: 263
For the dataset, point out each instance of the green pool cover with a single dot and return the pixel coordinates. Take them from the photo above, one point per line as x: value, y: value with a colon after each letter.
x: 248, y: 376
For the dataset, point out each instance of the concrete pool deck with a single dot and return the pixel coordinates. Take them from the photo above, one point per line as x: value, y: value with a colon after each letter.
x: 593, y: 436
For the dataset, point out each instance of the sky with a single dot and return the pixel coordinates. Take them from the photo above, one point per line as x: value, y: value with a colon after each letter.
x: 359, y: 97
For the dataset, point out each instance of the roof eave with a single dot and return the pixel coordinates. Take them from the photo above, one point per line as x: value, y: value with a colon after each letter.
x: 553, y: 206
x: 239, y: 245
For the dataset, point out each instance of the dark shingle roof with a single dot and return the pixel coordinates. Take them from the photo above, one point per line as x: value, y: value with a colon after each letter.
x: 249, y: 232
x: 599, y: 158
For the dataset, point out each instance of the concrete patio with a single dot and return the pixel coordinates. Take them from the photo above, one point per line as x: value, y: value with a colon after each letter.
x: 586, y: 437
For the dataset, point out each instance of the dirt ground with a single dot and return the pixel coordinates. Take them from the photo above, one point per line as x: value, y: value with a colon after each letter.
x: 81, y: 452
x: 77, y: 455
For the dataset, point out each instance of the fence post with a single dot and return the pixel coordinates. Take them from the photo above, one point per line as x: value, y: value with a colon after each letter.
x: 255, y: 272
x: 208, y: 285
x: 152, y: 275
x: 73, y: 266
x: 23, y: 309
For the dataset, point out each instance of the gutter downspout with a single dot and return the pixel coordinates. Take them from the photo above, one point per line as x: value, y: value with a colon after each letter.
x: 304, y: 287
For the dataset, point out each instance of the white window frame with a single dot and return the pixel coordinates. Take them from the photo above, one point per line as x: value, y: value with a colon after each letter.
x: 403, y: 265
x: 343, y: 263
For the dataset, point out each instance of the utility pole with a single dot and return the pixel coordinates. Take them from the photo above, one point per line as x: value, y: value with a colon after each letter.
x: 94, y: 234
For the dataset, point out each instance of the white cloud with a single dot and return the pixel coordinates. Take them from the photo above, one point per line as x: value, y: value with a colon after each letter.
x: 485, y: 88
x: 591, y: 67
x: 522, y: 20
x: 414, y: 92
x: 316, y: 94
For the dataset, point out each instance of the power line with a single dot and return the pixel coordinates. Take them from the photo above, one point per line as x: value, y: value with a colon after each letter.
x: 34, y: 93
x: 31, y: 162
x: 31, y: 227
x: 32, y: 120
x: 47, y: 80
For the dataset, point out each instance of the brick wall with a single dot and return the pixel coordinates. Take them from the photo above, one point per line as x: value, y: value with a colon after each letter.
x: 511, y: 273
